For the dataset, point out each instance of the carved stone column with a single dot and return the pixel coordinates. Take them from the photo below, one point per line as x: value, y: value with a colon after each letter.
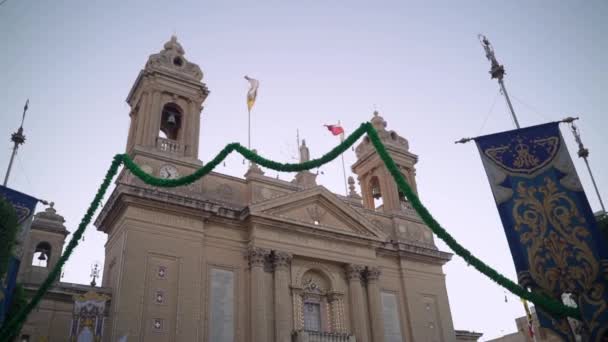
x: 282, y: 310
x: 357, y: 315
x: 259, y: 331
x: 375, y: 304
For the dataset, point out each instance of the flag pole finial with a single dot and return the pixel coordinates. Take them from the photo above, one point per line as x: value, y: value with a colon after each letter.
x: 497, y: 71
x: 18, y: 138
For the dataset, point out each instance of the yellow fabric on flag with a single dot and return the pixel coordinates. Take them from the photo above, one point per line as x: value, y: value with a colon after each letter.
x: 253, y: 91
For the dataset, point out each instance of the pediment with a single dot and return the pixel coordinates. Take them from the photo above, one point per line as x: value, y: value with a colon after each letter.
x: 320, y: 209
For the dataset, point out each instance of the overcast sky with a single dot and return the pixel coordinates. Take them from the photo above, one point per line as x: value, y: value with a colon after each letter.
x: 318, y: 62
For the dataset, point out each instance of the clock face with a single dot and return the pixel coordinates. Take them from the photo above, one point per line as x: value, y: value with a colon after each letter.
x: 168, y: 172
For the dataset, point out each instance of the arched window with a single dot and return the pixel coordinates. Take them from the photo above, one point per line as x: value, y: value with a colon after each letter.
x: 315, y: 304
x: 42, y: 254
x: 376, y: 191
x: 171, y: 121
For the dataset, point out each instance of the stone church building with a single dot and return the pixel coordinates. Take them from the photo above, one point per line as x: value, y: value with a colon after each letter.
x: 243, y: 259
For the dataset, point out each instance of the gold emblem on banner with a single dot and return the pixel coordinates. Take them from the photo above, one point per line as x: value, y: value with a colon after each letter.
x: 560, y: 259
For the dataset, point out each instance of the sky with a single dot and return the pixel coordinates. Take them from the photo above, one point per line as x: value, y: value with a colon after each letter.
x: 419, y: 63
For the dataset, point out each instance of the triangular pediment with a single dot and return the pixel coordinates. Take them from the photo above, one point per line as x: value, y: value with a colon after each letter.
x: 320, y: 209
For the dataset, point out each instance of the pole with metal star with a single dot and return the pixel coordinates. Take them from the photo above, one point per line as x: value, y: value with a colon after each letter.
x: 18, y: 138
x: 583, y: 152
x: 498, y: 72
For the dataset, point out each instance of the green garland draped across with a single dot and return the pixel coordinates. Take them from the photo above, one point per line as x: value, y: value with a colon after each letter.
x: 549, y: 304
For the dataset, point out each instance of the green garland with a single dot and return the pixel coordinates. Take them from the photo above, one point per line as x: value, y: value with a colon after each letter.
x: 13, y: 326
x: 19, y: 301
x: 550, y: 305
x: 8, y: 232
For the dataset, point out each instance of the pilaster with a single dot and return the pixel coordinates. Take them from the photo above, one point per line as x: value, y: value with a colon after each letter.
x: 375, y: 304
x: 257, y: 258
x: 357, y: 314
x: 282, y: 311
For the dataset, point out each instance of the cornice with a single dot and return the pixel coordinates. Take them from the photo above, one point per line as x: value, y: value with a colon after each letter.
x: 174, y: 201
x: 416, y: 252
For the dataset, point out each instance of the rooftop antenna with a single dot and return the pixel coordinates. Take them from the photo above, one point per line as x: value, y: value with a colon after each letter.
x: 18, y: 138
x: 498, y: 72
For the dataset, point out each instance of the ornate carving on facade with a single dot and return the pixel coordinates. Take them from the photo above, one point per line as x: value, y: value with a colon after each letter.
x: 336, y: 311
x: 298, y: 315
x: 373, y: 274
x: 320, y: 268
x: 316, y: 214
x: 353, y: 271
x: 171, y: 59
x: 159, y: 297
x: 281, y: 260
x: 161, y: 272
x: 257, y: 256
x: 390, y: 138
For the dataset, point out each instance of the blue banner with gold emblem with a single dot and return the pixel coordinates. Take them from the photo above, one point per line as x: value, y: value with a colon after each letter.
x: 556, y: 245
x: 24, y: 206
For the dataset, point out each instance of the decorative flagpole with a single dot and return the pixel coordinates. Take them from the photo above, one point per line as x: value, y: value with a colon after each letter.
x: 18, y: 139
x: 343, y: 167
x: 249, y: 129
x: 497, y: 71
x: 251, y: 96
x: 584, y: 153
x: 530, y: 320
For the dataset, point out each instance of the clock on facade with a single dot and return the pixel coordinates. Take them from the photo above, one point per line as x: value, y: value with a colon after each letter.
x: 168, y: 172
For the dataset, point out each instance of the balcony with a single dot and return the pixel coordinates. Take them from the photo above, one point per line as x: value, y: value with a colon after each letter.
x: 168, y: 145
x: 317, y: 336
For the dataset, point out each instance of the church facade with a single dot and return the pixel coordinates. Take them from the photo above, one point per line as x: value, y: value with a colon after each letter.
x: 248, y: 259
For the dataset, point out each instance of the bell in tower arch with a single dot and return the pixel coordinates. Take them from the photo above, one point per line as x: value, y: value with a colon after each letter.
x: 170, y: 121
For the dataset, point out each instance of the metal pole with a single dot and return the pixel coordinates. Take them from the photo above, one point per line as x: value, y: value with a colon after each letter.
x: 249, y: 129
x: 497, y: 71
x: 583, y: 152
x: 343, y: 167
x: 504, y: 91
x: 10, y: 163
x: 597, y: 191
x: 18, y: 139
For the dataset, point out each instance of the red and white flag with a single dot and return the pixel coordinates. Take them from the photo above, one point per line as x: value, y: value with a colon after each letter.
x: 335, y: 129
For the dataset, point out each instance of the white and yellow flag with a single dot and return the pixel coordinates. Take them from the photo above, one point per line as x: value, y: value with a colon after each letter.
x: 253, y: 91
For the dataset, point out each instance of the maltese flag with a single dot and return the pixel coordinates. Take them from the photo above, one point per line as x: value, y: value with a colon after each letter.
x: 335, y: 129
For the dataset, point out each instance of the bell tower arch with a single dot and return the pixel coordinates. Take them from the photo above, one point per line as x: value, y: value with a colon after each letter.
x: 378, y: 189
x: 166, y: 102
x: 43, y: 246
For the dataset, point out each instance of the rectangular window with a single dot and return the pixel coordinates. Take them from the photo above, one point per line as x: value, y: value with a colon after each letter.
x: 390, y: 315
x: 312, y: 316
x: 221, y: 308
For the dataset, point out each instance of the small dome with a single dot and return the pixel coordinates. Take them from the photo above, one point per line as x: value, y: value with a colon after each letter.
x: 49, y: 220
x: 171, y: 60
x: 378, y: 121
x: 389, y: 138
x: 172, y: 44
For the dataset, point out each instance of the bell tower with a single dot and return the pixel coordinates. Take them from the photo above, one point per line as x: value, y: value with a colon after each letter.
x: 166, y: 102
x: 378, y: 189
x: 43, y: 246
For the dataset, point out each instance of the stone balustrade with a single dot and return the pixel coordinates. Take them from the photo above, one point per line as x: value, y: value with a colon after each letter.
x: 168, y: 145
